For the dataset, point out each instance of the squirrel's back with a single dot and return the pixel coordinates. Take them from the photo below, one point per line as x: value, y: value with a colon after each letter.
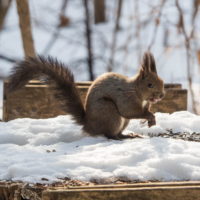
x: 106, y: 85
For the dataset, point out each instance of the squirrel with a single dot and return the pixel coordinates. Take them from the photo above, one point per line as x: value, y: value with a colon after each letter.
x: 111, y: 101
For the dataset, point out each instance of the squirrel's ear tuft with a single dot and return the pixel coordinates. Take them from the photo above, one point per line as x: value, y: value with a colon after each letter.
x: 148, y: 63
x: 152, y: 63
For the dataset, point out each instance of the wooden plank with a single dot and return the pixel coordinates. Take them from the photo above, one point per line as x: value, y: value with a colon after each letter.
x: 139, y: 191
x: 142, y: 191
x: 138, y: 185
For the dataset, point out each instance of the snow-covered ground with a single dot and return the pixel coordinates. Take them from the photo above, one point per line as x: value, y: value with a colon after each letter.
x: 56, y: 148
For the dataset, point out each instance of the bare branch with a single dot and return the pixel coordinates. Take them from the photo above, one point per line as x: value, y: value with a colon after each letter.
x: 114, y: 38
x: 88, y: 35
x: 8, y: 59
x: 157, y: 23
x: 187, y: 38
x: 56, y: 33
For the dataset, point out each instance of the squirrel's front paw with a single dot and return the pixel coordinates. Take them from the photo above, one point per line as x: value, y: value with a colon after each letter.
x: 151, y: 120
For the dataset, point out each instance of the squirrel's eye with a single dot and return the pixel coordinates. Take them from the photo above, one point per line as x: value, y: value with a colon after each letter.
x: 150, y: 85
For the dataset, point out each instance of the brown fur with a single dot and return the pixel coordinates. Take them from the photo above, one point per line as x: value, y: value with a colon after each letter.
x: 112, y: 99
x: 62, y: 77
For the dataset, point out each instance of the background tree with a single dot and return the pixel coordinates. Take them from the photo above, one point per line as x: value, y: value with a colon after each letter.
x: 114, y: 36
x: 25, y: 27
x: 4, y: 6
x: 88, y: 35
x: 99, y: 11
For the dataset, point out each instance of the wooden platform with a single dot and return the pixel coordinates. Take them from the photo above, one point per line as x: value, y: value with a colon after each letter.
x: 35, y: 100
x: 143, y: 191
x: 139, y: 191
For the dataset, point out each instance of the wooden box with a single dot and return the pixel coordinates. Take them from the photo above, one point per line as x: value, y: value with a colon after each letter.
x: 35, y: 100
x: 138, y: 191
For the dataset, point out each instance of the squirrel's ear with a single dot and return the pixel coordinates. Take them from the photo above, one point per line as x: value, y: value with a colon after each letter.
x: 152, y: 63
x: 148, y: 63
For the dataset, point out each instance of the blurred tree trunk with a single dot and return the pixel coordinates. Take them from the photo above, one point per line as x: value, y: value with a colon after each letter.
x: 88, y: 35
x: 196, y: 5
x: 114, y: 37
x: 99, y: 11
x: 187, y: 37
x: 25, y: 27
x: 4, y: 6
x: 119, y: 11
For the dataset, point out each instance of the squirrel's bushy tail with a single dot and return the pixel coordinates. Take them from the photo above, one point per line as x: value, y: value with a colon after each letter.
x: 58, y: 74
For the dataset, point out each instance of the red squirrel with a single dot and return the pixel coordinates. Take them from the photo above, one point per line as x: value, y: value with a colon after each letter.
x: 111, y: 101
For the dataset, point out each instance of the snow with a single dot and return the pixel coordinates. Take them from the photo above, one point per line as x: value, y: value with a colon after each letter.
x: 32, y: 149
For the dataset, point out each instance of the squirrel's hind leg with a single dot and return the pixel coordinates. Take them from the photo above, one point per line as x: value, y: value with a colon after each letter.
x: 102, y: 118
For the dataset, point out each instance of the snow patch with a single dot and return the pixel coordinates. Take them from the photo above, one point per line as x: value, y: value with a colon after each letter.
x: 56, y: 148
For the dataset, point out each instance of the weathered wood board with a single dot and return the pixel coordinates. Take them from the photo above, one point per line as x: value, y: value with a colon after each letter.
x: 139, y: 191
x: 146, y: 193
